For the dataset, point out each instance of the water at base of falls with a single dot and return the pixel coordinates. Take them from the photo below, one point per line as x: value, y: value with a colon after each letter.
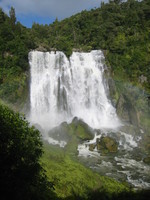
x: 63, y: 88
x: 124, y: 165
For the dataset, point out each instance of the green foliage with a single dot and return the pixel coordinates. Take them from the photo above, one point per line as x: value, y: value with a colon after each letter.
x: 21, y: 174
x: 74, y: 181
x: 80, y: 129
x: 121, y: 28
x: 12, y: 16
x: 15, y: 42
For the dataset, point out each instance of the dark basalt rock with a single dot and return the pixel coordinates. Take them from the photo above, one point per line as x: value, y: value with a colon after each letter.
x: 76, y: 128
x: 81, y: 129
x: 147, y: 160
x: 105, y: 145
x: 92, y: 146
x: 126, y: 110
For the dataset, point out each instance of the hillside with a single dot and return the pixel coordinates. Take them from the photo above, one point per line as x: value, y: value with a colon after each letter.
x: 121, y: 30
x: 15, y: 42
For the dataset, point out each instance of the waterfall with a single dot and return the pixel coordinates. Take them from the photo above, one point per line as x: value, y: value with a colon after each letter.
x: 63, y: 88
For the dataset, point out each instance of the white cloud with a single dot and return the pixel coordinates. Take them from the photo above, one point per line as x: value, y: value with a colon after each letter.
x: 49, y: 8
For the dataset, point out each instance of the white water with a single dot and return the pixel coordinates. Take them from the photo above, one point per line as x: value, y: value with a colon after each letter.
x: 61, y: 89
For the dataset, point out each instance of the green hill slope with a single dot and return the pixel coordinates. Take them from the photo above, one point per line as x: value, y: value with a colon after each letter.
x: 121, y: 29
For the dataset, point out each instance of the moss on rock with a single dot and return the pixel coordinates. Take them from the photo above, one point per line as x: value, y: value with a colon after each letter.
x: 92, y: 147
x: 105, y: 145
x: 147, y: 160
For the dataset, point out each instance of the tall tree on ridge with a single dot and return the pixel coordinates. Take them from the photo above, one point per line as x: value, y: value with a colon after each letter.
x: 12, y: 15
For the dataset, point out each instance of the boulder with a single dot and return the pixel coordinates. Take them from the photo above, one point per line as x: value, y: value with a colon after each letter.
x: 61, y: 132
x: 92, y: 146
x: 76, y: 128
x: 147, y: 160
x: 81, y: 129
x: 107, y: 144
x: 104, y: 145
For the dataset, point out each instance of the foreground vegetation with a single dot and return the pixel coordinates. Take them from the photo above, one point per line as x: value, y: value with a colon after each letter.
x: 71, y: 179
x: 21, y: 175
x: 27, y: 174
x: 121, y: 29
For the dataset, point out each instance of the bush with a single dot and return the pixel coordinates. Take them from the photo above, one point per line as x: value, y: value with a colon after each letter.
x: 21, y: 174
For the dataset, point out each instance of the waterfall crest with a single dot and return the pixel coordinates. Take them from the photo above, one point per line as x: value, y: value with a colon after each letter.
x: 63, y: 88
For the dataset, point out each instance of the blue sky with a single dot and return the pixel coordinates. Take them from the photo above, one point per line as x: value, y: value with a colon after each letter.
x: 46, y: 11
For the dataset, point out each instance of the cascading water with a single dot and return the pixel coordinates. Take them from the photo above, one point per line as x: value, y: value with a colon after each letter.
x: 61, y: 89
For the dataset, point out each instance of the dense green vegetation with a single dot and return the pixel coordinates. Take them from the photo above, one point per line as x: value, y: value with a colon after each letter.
x: 21, y: 174
x: 74, y: 181
x: 26, y: 175
x: 121, y: 29
x: 15, y: 43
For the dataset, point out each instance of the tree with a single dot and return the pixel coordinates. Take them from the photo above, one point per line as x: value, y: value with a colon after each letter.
x: 21, y: 174
x: 2, y: 17
x: 12, y: 15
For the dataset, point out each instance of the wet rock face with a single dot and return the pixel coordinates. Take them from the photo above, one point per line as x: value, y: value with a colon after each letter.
x: 105, y: 145
x: 126, y: 110
x: 81, y: 129
x: 61, y: 132
x: 76, y: 128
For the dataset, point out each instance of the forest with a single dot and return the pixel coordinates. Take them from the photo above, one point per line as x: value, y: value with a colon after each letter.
x: 122, y: 31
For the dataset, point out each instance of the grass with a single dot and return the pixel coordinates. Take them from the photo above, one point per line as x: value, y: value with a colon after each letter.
x: 72, y: 178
